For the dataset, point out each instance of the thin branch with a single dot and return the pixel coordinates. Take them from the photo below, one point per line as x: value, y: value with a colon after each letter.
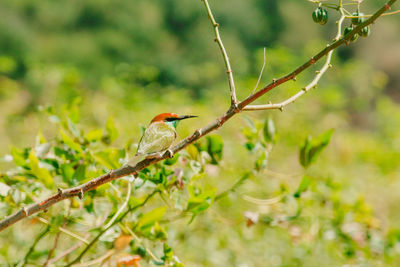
x: 32, y: 248
x: 65, y: 231
x: 128, y: 194
x: 234, y: 187
x: 232, y: 111
x: 67, y: 212
x: 312, y: 84
x: 260, y: 76
x: 98, y: 260
x: 315, y: 58
x: 140, y: 243
x: 367, y: 16
x: 224, y: 54
x: 68, y: 251
x: 79, y: 257
x: 258, y: 201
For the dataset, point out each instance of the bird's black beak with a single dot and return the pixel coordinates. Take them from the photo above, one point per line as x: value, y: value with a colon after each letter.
x: 186, y: 117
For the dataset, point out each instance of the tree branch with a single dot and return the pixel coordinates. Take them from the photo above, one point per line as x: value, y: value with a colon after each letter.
x: 313, y: 83
x: 315, y: 58
x: 233, y: 110
x: 224, y: 54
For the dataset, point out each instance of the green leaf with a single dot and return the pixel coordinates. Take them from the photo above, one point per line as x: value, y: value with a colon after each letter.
x: 72, y: 128
x: 71, y: 143
x: 4, y: 189
x: 261, y: 161
x: 79, y: 173
x: 168, y: 253
x: 312, y: 147
x: 172, y: 161
x: 18, y: 157
x: 269, y: 130
x: 41, y: 173
x: 215, y: 146
x: 192, y: 151
x: 94, y: 135
x: 199, y: 201
x: 303, y: 186
x: 111, y: 131
x: 67, y: 172
x: 159, y: 232
x: 110, y: 157
x: 149, y: 219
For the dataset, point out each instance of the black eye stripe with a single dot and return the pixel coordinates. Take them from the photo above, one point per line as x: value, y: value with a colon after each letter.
x: 170, y: 119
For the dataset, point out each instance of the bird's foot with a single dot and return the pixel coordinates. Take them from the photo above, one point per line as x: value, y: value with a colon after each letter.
x: 169, y: 153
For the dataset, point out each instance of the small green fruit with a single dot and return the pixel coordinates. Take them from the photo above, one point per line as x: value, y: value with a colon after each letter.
x: 359, y: 19
x: 365, y: 32
x: 320, y: 16
x: 347, y: 31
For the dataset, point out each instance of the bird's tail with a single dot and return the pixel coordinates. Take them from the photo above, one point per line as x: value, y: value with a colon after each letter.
x: 136, y: 159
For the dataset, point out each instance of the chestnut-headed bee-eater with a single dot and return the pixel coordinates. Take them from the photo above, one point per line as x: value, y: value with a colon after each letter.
x: 158, y: 137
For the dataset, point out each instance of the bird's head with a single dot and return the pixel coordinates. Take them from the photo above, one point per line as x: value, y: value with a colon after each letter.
x: 170, y: 118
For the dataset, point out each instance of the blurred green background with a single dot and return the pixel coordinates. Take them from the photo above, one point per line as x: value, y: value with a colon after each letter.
x: 134, y: 59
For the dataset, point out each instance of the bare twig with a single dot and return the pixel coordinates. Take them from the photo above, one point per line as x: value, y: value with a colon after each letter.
x: 68, y: 251
x: 65, y: 231
x: 367, y: 16
x: 315, y: 58
x: 139, y: 241
x: 260, y: 76
x: 79, y: 257
x: 128, y: 194
x: 234, y: 187
x: 312, y: 84
x: 96, y: 261
x: 32, y: 248
x: 129, y: 170
x: 224, y: 54
x: 68, y: 210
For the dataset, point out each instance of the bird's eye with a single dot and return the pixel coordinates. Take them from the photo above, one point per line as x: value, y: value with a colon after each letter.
x: 170, y: 119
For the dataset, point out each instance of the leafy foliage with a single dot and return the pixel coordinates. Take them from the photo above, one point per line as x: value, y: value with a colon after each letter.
x: 221, y: 200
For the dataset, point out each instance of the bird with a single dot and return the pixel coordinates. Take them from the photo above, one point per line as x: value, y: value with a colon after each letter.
x: 158, y: 137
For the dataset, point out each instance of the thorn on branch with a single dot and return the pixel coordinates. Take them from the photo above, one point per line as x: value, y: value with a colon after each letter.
x: 80, y: 194
x: 169, y: 153
x: 198, y: 133
x: 312, y: 60
x: 317, y: 72
x: 330, y: 66
x: 60, y: 191
x: 387, y: 7
x: 216, y: 40
x: 274, y: 80
x: 281, y: 108
x: 25, y: 211
x: 235, y: 108
x: 219, y: 122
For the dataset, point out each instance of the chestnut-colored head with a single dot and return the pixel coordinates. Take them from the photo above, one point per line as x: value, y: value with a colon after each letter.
x: 170, y: 118
x: 167, y: 117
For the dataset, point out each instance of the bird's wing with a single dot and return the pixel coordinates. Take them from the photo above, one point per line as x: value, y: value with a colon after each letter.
x: 157, y: 137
